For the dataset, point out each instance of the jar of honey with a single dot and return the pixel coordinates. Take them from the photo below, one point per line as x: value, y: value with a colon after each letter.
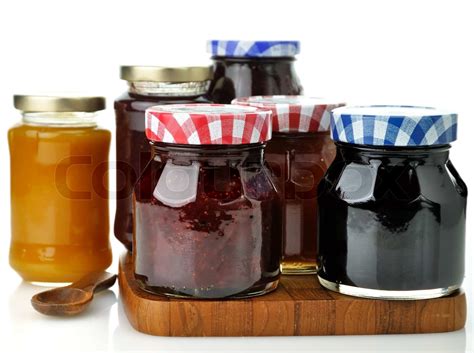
x: 298, y: 155
x: 147, y: 86
x: 252, y: 68
x: 392, y: 207
x: 59, y: 189
x: 207, y: 215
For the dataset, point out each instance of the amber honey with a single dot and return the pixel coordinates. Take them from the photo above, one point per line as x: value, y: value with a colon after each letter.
x: 59, y: 201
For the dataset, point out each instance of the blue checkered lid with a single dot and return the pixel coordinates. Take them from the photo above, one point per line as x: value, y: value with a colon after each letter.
x: 393, y: 125
x: 255, y: 49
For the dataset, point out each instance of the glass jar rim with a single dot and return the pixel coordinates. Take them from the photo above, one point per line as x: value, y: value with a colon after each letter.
x: 168, y: 89
x: 60, y: 119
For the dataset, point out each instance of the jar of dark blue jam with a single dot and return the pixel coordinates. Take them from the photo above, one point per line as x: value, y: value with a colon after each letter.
x: 392, y: 207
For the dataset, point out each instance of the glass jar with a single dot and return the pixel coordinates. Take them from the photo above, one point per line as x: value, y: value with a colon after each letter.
x: 147, y: 86
x: 392, y: 206
x: 298, y: 155
x: 250, y: 68
x: 207, y: 221
x: 59, y: 161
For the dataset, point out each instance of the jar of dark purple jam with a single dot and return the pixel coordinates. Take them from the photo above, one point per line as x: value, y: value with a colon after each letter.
x: 392, y: 205
x: 147, y: 86
x: 251, y: 68
x: 207, y: 216
x: 298, y: 155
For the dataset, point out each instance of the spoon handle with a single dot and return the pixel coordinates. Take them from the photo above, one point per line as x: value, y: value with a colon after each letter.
x: 95, y: 281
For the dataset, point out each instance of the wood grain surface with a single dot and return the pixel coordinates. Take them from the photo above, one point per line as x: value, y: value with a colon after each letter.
x: 299, y: 307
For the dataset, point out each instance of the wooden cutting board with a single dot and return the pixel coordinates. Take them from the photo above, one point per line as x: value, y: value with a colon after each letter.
x: 299, y: 307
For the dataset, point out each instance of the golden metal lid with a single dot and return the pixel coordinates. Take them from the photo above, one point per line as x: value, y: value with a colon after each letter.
x: 166, y: 74
x: 32, y: 103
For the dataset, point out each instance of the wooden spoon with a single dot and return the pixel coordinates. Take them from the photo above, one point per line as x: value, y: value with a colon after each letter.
x: 75, y: 298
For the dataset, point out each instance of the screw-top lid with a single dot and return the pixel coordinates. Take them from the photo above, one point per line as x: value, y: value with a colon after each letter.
x: 43, y: 104
x: 294, y: 113
x: 207, y: 124
x: 166, y: 74
x: 256, y: 49
x: 393, y: 125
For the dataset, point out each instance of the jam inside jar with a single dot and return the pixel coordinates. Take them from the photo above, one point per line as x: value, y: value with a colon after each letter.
x: 59, y: 156
x: 243, y: 69
x: 392, y: 210
x: 206, y: 219
x: 148, y: 86
x: 298, y: 155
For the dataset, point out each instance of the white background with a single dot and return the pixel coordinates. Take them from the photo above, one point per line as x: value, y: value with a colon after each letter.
x: 410, y: 52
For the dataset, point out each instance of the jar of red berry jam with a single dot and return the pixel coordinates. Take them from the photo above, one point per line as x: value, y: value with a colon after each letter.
x: 251, y: 68
x: 207, y: 215
x: 298, y: 154
x: 147, y: 86
x: 392, y: 206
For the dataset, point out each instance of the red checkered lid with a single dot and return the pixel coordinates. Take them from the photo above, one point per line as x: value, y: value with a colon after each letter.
x: 208, y: 124
x: 294, y: 113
